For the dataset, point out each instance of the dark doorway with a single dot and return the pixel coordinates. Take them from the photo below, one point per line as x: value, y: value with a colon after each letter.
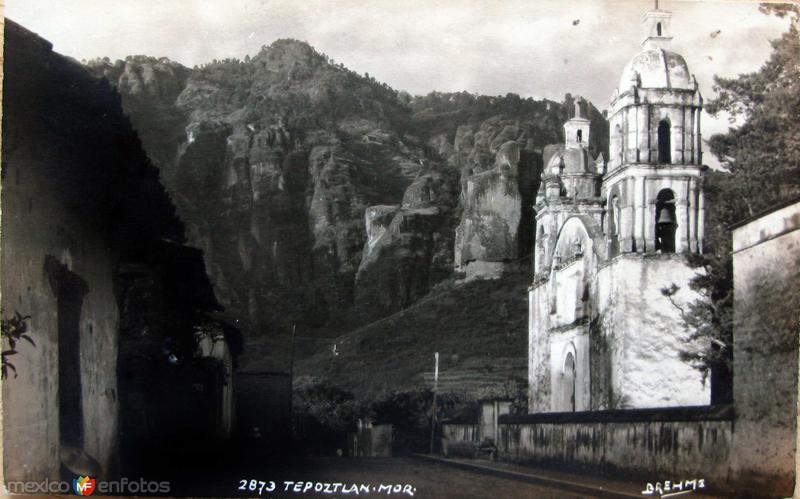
x: 666, y: 223
x: 580, y: 136
x: 70, y: 291
x: 721, y: 382
x: 664, y: 146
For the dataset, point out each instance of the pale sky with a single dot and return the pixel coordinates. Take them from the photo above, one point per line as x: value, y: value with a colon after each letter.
x: 529, y: 47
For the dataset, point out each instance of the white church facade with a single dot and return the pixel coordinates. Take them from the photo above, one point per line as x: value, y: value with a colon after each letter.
x: 610, y: 235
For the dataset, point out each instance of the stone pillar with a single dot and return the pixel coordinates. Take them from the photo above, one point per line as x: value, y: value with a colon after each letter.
x: 685, y: 139
x: 677, y: 140
x: 648, y: 133
x: 701, y: 220
x: 642, y: 139
x: 613, y: 147
x: 638, y: 188
x: 692, y: 155
x: 623, y: 140
x: 627, y: 216
x: 630, y: 154
x: 649, y: 234
x: 682, y: 214
x: 699, y: 139
x: 630, y: 139
x: 692, y: 207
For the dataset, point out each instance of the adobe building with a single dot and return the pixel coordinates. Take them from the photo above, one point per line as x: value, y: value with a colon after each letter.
x: 57, y: 268
x: 610, y: 236
x: 91, y: 254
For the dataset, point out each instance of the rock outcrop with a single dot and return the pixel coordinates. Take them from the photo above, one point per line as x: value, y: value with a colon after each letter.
x: 489, y: 234
x: 397, y: 264
x: 408, y: 246
x: 274, y: 163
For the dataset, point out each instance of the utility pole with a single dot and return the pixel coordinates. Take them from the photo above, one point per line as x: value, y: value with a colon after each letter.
x: 291, y: 370
x: 435, y: 387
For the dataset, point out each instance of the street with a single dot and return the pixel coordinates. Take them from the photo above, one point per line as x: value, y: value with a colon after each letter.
x: 377, y: 477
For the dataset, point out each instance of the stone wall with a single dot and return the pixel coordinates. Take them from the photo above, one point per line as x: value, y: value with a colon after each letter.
x: 461, y: 432
x: 46, y: 238
x: 655, y: 444
x: 651, y: 444
x: 766, y: 266
x: 31, y: 234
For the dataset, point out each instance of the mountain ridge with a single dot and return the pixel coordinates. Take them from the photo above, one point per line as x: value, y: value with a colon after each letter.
x: 275, y: 160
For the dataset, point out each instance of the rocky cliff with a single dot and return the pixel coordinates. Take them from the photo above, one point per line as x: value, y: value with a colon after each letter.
x: 322, y: 196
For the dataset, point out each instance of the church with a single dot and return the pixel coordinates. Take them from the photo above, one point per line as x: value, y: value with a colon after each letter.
x: 610, y: 235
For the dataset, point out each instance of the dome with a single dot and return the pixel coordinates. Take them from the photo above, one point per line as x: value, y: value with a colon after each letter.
x: 657, y: 68
x: 564, y: 160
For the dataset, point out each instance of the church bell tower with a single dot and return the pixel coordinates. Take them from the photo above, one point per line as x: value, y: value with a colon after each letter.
x: 653, y: 187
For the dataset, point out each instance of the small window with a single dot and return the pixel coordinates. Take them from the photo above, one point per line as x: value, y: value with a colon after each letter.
x: 664, y: 146
x: 580, y: 136
x: 658, y: 29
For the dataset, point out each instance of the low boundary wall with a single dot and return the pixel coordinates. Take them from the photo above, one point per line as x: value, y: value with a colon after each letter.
x: 653, y: 444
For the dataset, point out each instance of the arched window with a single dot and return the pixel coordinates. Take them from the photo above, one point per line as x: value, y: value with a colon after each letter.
x: 664, y: 146
x: 666, y: 223
x: 580, y: 136
x: 569, y: 383
x: 658, y: 29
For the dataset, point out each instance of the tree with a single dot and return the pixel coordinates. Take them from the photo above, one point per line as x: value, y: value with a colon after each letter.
x: 761, y: 156
x: 763, y: 152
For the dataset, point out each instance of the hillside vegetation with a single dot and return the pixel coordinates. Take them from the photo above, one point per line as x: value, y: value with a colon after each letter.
x: 479, y: 329
x: 273, y: 162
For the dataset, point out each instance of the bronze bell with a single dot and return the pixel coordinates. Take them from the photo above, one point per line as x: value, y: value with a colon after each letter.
x: 665, y: 216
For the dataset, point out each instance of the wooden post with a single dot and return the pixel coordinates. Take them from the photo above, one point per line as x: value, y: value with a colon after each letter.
x: 435, y: 387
